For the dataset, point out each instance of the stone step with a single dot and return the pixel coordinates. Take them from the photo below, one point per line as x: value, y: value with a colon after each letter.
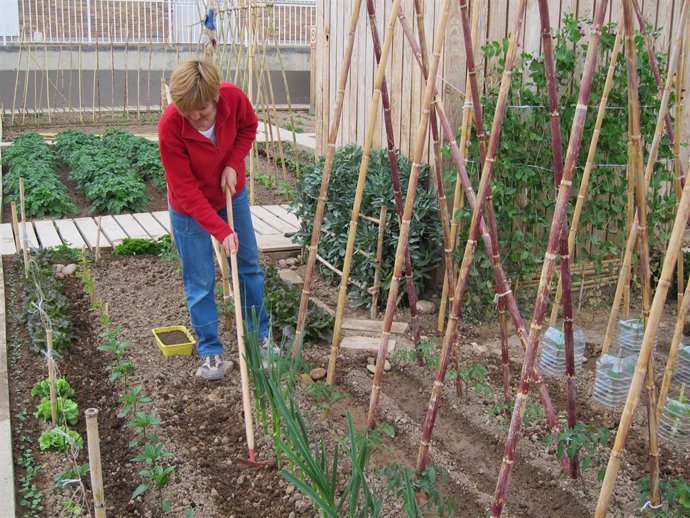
x: 364, y: 343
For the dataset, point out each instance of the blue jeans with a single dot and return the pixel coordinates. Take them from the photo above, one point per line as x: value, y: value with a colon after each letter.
x: 199, y: 275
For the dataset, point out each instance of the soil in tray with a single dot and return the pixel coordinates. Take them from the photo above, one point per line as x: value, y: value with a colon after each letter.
x: 173, y: 337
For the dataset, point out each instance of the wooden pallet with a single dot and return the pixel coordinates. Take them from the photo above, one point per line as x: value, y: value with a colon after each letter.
x: 273, y: 226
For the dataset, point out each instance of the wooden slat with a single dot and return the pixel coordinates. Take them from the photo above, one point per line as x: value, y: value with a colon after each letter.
x: 88, y: 227
x: 263, y: 228
x: 281, y: 211
x: 7, y: 245
x: 152, y: 227
x: 30, y: 235
x: 272, y: 220
x: 69, y: 233
x: 47, y: 233
x: 131, y: 227
x: 112, y: 230
x: 163, y: 217
x: 274, y: 243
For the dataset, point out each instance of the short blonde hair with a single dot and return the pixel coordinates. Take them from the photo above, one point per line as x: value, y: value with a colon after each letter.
x: 193, y: 83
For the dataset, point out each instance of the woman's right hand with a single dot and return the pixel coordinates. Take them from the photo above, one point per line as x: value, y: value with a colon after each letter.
x: 231, y: 244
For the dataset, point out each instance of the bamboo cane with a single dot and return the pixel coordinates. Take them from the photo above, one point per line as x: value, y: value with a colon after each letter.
x: 461, y: 283
x: 673, y: 351
x: 25, y: 237
x: 359, y: 190
x: 51, y: 376
x: 250, y: 95
x: 640, y: 191
x: 678, y: 120
x: 643, y: 360
x: 94, y: 445
x: 591, y: 154
x: 657, y: 78
x: 491, y: 214
x: 651, y: 159
x: 395, y: 178
x: 15, y: 226
x: 504, y: 289
x: 407, y: 213
x: 549, y: 259
x: 379, y: 260
x: 440, y: 188
x: 629, y: 219
x: 326, y: 176
x: 557, y: 148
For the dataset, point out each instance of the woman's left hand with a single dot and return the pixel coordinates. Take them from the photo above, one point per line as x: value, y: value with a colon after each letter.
x: 228, y: 179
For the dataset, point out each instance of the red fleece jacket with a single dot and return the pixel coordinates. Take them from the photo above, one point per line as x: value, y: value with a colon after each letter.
x: 193, y: 164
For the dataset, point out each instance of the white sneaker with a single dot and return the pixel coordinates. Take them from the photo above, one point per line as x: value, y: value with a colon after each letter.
x: 213, y: 368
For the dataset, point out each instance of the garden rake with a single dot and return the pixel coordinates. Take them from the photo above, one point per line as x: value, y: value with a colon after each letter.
x: 244, y: 374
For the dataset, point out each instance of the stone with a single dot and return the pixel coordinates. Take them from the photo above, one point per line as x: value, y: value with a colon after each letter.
x: 374, y: 326
x: 57, y: 267
x: 387, y: 366
x: 371, y: 360
x: 292, y: 514
x: 371, y: 369
x: 292, y: 261
x: 289, y: 489
x: 290, y: 277
x: 69, y: 269
x: 426, y: 307
x: 282, y: 264
x: 302, y: 506
x: 214, y: 492
x: 317, y: 373
x: 213, y: 397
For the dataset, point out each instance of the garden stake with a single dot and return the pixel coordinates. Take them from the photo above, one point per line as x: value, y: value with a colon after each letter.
x: 557, y: 148
x: 657, y: 79
x: 651, y: 159
x: 244, y: 375
x: 15, y: 226
x: 678, y: 120
x: 438, y: 170
x: 352, y: 230
x: 51, y: 376
x: 673, y: 351
x: 25, y: 237
x: 326, y: 177
x: 458, y: 199
x: 407, y: 214
x: 377, y: 265
x: 643, y: 242
x: 395, y: 178
x: 591, y: 154
x: 496, y: 262
x: 549, y: 260
x: 94, y: 446
x: 643, y: 360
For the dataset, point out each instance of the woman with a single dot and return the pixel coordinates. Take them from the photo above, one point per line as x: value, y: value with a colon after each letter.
x: 204, y: 136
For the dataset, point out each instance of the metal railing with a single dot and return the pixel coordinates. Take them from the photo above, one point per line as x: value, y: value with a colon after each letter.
x: 157, y: 21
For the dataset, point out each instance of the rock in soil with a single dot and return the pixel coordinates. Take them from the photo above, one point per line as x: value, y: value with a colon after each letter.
x: 426, y: 307
x: 317, y: 373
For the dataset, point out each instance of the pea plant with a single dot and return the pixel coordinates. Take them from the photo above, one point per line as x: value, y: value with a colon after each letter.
x: 523, y: 184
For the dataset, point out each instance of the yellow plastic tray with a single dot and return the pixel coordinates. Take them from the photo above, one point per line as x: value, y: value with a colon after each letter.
x: 184, y: 349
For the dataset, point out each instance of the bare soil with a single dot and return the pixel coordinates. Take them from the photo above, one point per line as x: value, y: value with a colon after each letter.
x: 202, y: 422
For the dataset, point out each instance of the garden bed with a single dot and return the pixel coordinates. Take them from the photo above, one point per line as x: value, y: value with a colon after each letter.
x: 202, y: 423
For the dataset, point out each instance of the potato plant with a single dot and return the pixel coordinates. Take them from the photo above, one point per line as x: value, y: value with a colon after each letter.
x: 45, y: 194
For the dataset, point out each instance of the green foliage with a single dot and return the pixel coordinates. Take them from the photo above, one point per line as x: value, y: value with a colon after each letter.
x: 475, y: 378
x: 264, y: 179
x: 675, y: 494
x: 61, y: 439
x: 408, y: 484
x: 325, y: 395
x: 503, y: 410
x: 139, y: 246
x: 103, y: 173
x: 67, y: 411
x: 31, y: 496
x: 523, y: 184
x: 44, y: 297
x: 294, y: 127
x: 131, y: 400
x: 30, y: 158
x: 583, y: 440
x: 143, y: 154
x: 62, y: 388
x: 425, y: 234
x: 64, y: 478
x: 282, y: 304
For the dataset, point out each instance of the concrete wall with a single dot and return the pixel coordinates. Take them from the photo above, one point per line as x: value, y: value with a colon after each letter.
x: 38, y: 77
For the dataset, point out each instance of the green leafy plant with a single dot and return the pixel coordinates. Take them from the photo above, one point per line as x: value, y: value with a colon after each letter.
x: 675, y: 494
x: 139, y: 246
x: 503, y: 410
x: 67, y: 410
x: 131, y: 400
x: 474, y: 376
x: 265, y: 180
x: 408, y: 484
x: 142, y: 423
x: 31, y: 497
x: 62, y: 388
x: 325, y: 395
x: 584, y: 441
x: 425, y: 237
x: 296, y: 127
x: 60, y: 438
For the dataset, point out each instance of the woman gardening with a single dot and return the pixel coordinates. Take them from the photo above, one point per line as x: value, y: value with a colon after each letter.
x: 204, y: 137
